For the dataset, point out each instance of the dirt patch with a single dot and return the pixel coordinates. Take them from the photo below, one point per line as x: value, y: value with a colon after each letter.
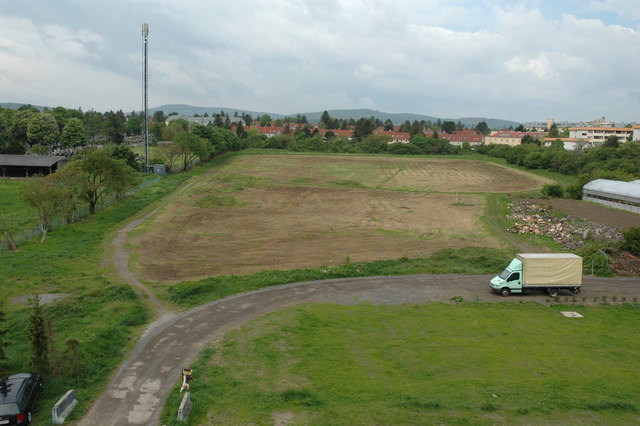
x: 593, y: 212
x: 44, y: 298
x: 286, y: 212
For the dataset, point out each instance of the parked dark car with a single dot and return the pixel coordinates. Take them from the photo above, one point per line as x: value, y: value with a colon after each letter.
x: 18, y: 394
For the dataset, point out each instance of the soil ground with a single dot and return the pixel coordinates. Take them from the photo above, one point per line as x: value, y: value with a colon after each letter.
x: 593, y: 212
x: 300, y: 211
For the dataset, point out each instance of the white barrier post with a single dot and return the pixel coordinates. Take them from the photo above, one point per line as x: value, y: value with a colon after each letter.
x: 185, y: 407
x: 63, y: 407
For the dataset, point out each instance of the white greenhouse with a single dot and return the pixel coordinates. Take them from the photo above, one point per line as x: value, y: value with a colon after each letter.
x: 614, y: 193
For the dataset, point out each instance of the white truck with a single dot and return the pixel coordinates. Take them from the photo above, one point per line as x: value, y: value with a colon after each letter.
x: 550, y: 272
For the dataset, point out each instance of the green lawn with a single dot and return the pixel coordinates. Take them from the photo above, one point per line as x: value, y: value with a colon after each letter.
x: 100, y: 312
x: 464, y: 363
x: 18, y: 215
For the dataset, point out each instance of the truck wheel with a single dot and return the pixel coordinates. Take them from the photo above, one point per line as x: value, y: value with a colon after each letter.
x: 553, y: 292
x: 576, y: 290
x: 504, y: 292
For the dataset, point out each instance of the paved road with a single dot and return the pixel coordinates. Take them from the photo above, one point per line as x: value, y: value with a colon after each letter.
x: 137, y: 392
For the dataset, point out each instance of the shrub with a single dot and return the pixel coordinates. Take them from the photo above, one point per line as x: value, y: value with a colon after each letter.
x: 632, y: 239
x: 554, y: 190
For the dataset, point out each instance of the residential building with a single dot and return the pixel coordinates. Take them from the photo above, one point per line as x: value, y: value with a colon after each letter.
x: 461, y: 136
x: 570, y: 144
x: 509, y: 137
x: 598, y: 135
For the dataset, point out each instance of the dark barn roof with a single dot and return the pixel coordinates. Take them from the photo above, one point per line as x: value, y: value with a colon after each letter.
x: 10, y: 160
x: 29, y: 165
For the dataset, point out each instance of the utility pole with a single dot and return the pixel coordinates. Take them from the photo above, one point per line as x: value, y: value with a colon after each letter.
x: 145, y: 38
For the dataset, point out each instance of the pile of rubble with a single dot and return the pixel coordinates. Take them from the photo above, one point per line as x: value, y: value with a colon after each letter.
x: 568, y: 231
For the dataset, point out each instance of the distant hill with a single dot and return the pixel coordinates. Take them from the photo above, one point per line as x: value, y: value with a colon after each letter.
x: 15, y: 106
x: 314, y: 117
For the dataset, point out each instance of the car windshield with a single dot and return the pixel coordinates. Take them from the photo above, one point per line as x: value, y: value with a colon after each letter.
x: 9, y: 409
x: 505, y: 274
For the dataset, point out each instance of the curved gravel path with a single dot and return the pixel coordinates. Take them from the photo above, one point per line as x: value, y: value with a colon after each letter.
x: 137, y: 392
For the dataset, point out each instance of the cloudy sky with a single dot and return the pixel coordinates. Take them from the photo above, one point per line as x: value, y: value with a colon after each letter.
x: 523, y: 61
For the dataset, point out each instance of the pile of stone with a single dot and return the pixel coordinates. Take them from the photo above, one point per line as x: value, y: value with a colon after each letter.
x: 568, y: 231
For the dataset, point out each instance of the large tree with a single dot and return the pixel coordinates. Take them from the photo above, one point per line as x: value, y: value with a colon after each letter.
x: 113, y: 126
x: 363, y: 128
x: 190, y: 147
x: 101, y: 175
x: 43, y: 129
x: 74, y: 133
x: 18, y: 140
x: 448, y: 126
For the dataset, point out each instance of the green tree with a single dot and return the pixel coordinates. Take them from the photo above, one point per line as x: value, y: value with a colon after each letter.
x: 4, y: 133
x: 448, y: 126
x: 553, y: 131
x: 363, y: 128
x: 93, y: 124
x: 482, y: 127
x: 113, y: 126
x: 632, y: 239
x: 49, y: 200
x: 71, y: 180
x: 388, y: 125
x: 190, y: 147
x: 325, y: 119
x: 101, y: 175
x: 612, y: 142
x: 265, y: 120
x: 43, y: 129
x: 133, y: 125
x: 74, y: 134
x: 38, y: 338
x: 416, y: 128
x: 18, y: 140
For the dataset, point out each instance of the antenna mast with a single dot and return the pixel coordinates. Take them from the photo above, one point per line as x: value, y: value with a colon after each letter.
x: 145, y: 38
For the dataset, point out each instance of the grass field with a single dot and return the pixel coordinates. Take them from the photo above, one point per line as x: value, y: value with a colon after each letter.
x: 99, y: 311
x: 463, y: 363
x: 266, y: 212
x: 18, y: 215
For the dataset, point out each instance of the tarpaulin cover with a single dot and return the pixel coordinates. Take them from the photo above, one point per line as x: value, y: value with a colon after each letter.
x: 551, y: 268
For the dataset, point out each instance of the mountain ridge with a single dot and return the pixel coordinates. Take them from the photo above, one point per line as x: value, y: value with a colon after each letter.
x: 314, y: 117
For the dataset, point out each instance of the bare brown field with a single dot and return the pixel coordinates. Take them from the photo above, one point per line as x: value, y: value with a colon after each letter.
x: 287, y: 211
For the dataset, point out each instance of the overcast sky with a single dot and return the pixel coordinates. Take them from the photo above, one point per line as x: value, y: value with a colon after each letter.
x: 523, y: 61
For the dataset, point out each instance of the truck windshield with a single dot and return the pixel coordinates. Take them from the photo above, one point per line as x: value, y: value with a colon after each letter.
x: 505, y: 274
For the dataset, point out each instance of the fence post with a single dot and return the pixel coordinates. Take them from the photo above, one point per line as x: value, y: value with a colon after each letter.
x: 185, y: 407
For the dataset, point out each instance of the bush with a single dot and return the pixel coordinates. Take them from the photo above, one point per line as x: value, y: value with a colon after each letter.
x: 553, y: 190
x: 632, y: 239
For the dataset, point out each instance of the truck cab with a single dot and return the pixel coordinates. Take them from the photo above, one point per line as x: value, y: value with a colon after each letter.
x: 509, y: 281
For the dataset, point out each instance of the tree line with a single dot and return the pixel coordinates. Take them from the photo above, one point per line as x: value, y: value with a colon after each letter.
x: 29, y: 130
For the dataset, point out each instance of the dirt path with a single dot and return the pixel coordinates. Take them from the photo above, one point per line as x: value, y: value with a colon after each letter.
x: 137, y: 392
x: 121, y: 262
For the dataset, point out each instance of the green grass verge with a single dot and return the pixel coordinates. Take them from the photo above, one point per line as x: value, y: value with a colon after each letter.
x: 463, y: 363
x: 18, y: 215
x: 100, y: 312
x: 470, y: 260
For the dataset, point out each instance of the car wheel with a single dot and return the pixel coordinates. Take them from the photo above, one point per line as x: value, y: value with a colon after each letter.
x: 553, y: 292
x: 504, y: 292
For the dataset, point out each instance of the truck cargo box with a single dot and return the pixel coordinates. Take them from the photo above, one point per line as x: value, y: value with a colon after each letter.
x: 550, y: 269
